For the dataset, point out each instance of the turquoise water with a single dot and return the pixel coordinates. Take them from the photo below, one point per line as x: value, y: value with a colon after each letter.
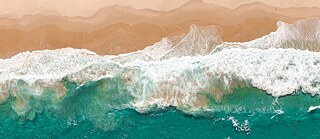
x: 99, y: 111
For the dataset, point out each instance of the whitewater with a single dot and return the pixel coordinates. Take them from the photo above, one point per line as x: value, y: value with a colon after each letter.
x: 193, y: 75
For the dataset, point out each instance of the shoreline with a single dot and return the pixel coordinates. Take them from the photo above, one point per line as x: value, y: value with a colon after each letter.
x: 116, y: 30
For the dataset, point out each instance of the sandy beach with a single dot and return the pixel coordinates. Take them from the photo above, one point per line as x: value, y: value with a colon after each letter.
x: 110, y: 29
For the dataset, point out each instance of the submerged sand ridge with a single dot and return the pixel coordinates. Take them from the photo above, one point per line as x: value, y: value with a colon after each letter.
x: 122, y: 29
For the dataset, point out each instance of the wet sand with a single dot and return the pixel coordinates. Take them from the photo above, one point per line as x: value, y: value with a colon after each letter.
x: 121, y: 29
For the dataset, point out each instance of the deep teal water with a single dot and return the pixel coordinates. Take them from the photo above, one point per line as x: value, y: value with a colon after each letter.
x: 168, y: 123
x: 97, y: 111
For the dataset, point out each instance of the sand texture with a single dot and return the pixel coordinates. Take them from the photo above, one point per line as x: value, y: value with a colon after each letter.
x: 115, y: 29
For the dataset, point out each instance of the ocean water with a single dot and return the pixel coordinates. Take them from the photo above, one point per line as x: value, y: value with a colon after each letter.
x: 98, y: 110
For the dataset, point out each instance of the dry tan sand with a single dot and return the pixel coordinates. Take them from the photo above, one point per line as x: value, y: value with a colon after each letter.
x: 122, y: 29
x: 19, y: 8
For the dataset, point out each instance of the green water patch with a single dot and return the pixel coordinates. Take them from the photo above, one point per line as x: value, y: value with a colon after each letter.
x: 28, y: 100
x: 251, y: 100
x: 95, y: 101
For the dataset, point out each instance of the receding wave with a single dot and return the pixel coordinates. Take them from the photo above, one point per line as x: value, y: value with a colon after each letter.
x: 303, y: 35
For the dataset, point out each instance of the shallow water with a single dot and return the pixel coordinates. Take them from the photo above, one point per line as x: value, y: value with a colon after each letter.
x: 96, y: 111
